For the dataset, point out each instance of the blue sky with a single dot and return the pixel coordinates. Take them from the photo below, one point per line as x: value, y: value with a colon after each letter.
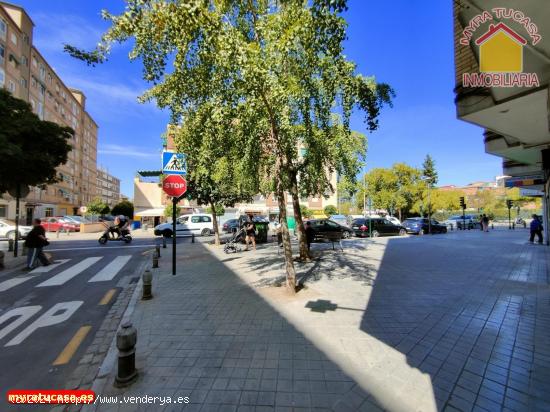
x: 407, y: 46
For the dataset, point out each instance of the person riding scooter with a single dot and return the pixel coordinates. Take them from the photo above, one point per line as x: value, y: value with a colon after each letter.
x: 121, y: 225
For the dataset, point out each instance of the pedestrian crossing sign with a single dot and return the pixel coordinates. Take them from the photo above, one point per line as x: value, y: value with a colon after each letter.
x: 174, y: 163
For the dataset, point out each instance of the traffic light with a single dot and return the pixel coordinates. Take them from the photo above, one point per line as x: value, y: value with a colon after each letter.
x: 462, y: 204
x: 509, y: 204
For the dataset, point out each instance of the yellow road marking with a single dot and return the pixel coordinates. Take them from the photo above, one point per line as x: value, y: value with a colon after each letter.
x: 69, y: 350
x: 108, y: 296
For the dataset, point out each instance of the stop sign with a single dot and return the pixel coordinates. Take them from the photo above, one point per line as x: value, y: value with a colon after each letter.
x: 174, y: 185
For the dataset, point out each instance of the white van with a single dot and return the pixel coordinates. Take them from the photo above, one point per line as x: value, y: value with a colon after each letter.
x: 197, y: 224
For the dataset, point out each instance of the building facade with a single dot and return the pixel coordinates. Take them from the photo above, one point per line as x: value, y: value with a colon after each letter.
x: 28, y: 76
x: 502, y: 67
x: 108, y: 187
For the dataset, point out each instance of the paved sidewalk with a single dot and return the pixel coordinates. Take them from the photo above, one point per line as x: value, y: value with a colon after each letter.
x: 452, y: 322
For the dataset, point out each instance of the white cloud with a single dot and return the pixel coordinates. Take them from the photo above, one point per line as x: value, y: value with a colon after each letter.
x: 126, y: 151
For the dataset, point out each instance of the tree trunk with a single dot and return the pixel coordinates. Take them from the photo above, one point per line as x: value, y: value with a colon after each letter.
x: 287, y: 247
x: 215, y: 224
x: 302, y: 241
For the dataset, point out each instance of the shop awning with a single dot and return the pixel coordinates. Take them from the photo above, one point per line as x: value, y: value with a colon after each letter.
x: 150, y: 212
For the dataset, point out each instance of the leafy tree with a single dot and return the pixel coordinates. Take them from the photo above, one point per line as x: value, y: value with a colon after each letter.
x: 428, y: 171
x: 305, y: 211
x: 217, y: 172
x: 330, y: 210
x: 397, y: 188
x: 124, y: 207
x: 97, y: 207
x: 276, y: 69
x: 30, y: 148
x: 218, y: 211
x: 169, y: 210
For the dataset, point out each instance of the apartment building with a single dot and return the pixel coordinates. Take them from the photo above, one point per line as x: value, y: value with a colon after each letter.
x: 108, y: 187
x: 502, y: 67
x: 28, y: 76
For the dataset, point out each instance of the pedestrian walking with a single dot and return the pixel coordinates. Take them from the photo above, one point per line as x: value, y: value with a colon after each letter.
x: 310, y: 235
x: 536, y: 229
x: 485, y: 223
x: 35, y: 242
x: 250, y: 230
x: 481, y: 222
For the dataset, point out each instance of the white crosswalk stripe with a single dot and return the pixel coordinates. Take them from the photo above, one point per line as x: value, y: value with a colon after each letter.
x: 71, y: 272
x: 111, y: 270
x: 10, y: 283
x: 49, y: 268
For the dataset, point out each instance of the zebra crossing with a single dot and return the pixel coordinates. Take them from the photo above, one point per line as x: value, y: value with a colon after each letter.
x: 64, y: 270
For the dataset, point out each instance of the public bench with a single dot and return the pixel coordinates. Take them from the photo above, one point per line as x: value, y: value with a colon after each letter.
x: 334, y: 237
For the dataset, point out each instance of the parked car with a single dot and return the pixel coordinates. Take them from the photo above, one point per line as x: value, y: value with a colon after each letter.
x: 379, y: 226
x: 340, y: 219
x: 230, y: 226
x: 7, y: 229
x: 76, y: 219
x: 458, y: 221
x: 394, y: 220
x: 421, y: 226
x: 324, y: 227
x: 197, y: 224
x: 55, y: 224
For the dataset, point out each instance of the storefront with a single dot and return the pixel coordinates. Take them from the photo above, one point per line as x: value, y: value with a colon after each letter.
x: 502, y: 65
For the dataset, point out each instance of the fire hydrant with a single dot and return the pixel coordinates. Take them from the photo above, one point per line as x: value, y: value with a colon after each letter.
x: 126, y: 339
x: 147, y: 279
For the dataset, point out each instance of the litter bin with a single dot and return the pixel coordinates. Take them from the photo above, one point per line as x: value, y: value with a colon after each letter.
x: 136, y: 224
x: 261, y: 231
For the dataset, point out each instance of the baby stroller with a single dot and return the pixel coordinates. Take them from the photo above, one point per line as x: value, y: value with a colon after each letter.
x: 232, y: 244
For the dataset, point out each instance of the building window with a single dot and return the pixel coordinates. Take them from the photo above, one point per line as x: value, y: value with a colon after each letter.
x: 26, y: 38
x: 24, y: 83
x: 40, y: 110
x: 3, y: 211
x: 34, y: 62
x: 2, y: 77
x: 2, y: 54
x: 42, y: 72
x: 25, y: 60
x: 11, y: 87
x: 33, y: 104
x: 13, y: 38
x: 49, y: 212
x: 49, y: 78
x: 3, y: 29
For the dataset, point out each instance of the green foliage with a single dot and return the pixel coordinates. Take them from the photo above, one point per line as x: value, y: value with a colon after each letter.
x: 124, y: 207
x: 330, y: 210
x: 397, y: 188
x: 169, y: 209
x: 259, y: 78
x: 428, y: 171
x: 219, y: 209
x: 306, y: 212
x: 30, y: 148
x: 98, y: 207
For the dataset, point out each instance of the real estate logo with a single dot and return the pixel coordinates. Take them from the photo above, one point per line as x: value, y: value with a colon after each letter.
x: 501, y: 50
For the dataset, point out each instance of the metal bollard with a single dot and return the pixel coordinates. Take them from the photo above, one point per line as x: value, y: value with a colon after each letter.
x: 164, y: 242
x: 126, y: 339
x: 157, y: 250
x: 1, y: 260
x: 11, y: 242
x: 147, y: 278
x: 192, y: 238
x: 155, y: 260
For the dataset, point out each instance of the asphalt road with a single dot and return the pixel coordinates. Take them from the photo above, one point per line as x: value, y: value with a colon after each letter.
x: 49, y: 316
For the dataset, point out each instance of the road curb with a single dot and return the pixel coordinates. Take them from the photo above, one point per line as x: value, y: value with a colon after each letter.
x: 103, y: 371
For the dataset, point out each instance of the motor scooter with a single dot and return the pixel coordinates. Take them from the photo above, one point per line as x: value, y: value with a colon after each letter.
x: 111, y: 234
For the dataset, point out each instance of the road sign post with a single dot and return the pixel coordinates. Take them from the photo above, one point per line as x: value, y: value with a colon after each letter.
x: 18, y: 192
x: 175, y: 186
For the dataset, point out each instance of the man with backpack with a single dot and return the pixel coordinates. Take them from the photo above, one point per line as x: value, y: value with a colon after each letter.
x: 35, y: 241
x: 536, y: 229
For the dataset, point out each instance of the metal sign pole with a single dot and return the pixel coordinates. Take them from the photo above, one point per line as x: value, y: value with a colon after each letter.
x: 17, y: 197
x: 174, y: 204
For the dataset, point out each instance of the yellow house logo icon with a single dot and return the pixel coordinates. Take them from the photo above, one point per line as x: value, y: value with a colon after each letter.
x: 501, y: 50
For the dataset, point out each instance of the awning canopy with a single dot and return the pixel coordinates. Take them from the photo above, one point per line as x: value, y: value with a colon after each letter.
x: 150, y: 212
